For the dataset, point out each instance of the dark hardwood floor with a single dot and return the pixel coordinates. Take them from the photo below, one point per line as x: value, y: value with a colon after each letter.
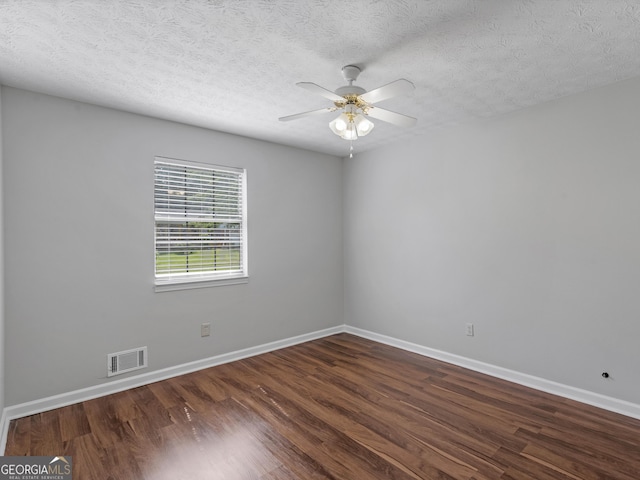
x: 336, y: 408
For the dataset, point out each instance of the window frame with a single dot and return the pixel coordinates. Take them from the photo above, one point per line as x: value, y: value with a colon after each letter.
x: 205, y: 279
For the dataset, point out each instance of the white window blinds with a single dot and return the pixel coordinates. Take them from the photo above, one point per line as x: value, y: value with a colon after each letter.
x: 200, y: 222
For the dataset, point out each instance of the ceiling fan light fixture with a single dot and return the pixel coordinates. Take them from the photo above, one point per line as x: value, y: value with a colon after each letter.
x: 340, y: 124
x: 351, y: 133
x: 357, y: 105
x: 350, y: 126
x: 363, y: 125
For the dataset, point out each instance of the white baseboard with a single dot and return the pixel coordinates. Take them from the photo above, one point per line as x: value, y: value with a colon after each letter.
x: 584, y: 396
x: 119, y: 385
x: 42, y: 405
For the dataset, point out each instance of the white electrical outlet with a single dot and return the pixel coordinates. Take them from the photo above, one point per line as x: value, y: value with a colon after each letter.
x: 469, y: 329
x: 205, y: 329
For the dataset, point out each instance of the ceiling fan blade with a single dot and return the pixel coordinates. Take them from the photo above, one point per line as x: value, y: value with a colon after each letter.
x: 393, y: 89
x: 312, y: 87
x: 391, y: 117
x: 307, y: 114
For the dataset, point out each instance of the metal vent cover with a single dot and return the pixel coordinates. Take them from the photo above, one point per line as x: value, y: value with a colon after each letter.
x: 126, y: 361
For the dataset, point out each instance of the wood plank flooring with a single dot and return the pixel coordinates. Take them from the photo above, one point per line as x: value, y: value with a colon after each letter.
x: 341, y: 408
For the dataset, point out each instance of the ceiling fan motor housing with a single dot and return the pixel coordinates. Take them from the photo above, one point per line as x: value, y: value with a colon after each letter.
x: 350, y: 90
x: 350, y: 74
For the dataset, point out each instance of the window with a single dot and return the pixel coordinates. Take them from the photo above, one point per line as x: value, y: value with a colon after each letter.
x: 200, y: 225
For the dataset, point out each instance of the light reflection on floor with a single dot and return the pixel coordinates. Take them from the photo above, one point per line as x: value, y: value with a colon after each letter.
x: 216, y: 451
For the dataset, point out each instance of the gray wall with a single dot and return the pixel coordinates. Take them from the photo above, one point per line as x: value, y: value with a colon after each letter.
x: 527, y: 225
x: 78, y: 184
x: 2, y: 348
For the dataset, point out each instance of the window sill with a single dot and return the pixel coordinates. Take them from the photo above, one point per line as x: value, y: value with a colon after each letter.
x: 189, y: 284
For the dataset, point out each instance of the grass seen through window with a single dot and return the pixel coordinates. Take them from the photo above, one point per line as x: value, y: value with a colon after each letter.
x: 216, y: 259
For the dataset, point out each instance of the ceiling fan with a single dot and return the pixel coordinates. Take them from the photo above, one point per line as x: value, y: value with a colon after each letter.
x: 356, y: 104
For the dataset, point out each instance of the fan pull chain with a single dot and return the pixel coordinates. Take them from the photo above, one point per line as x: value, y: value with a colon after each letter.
x: 351, y: 149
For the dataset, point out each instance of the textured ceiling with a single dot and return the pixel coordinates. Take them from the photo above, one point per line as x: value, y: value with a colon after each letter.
x: 232, y: 65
